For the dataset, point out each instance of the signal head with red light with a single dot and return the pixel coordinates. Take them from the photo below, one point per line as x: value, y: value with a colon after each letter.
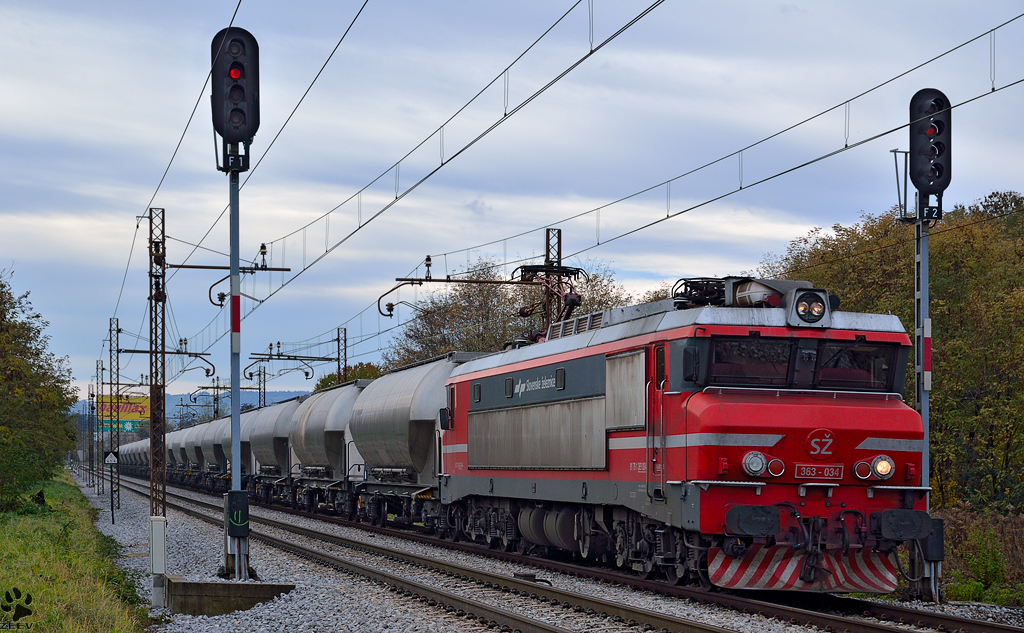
x: 235, y: 80
x: 930, y: 141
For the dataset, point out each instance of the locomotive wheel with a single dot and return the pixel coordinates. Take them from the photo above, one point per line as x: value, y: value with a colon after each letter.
x: 676, y: 573
x: 621, y: 544
x: 702, y: 571
x: 585, y: 520
x: 494, y: 538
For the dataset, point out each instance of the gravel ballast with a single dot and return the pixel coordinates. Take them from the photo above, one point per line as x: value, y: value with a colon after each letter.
x: 325, y: 599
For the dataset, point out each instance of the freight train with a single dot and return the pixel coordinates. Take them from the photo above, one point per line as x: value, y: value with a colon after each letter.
x: 744, y: 433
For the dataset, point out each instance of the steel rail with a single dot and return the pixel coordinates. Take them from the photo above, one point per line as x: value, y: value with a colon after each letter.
x: 521, y: 586
x: 484, y: 613
x: 778, y: 605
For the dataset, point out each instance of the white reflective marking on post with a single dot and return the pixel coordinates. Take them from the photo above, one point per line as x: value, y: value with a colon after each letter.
x: 236, y: 343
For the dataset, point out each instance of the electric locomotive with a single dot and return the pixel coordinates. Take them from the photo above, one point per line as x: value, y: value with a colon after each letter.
x: 744, y: 433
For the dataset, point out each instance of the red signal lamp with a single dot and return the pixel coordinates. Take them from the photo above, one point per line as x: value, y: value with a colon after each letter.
x: 235, y: 72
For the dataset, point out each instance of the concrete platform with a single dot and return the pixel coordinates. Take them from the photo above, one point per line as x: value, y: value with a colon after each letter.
x: 218, y: 598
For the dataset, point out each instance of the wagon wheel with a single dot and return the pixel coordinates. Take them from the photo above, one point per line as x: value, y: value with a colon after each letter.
x: 522, y: 546
x: 454, y: 533
x: 649, y: 570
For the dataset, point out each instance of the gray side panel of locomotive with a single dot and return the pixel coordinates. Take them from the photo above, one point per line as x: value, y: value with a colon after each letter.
x: 319, y: 437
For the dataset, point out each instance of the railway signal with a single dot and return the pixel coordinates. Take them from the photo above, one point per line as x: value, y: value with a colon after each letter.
x: 928, y: 165
x: 930, y: 147
x: 235, y: 97
x: 235, y: 76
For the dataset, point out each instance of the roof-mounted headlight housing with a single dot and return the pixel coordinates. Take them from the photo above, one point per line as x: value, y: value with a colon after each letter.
x: 808, y: 307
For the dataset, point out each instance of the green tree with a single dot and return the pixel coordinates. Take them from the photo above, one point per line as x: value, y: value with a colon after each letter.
x: 484, y: 317
x: 367, y: 371
x: 977, y: 311
x: 36, y: 423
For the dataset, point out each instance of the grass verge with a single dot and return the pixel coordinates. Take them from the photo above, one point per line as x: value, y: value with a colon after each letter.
x: 984, y: 556
x: 57, y: 556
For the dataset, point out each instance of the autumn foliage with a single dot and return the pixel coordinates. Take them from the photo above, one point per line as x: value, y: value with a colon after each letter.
x: 36, y: 428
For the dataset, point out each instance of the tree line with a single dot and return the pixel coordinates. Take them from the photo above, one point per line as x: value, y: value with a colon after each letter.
x: 37, y: 427
x: 977, y: 312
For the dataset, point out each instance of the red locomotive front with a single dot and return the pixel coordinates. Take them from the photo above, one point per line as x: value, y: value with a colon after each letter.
x: 743, y: 434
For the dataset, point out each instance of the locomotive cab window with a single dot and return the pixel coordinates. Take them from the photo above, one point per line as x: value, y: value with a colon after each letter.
x: 751, y: 361
x: 476, y: 392
x: 560, y: 379
x: 855, y: 366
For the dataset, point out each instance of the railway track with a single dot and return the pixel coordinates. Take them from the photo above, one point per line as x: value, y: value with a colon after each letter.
x: 889, y: 617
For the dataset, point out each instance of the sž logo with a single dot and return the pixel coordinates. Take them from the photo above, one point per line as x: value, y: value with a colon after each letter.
x: 821, y: 444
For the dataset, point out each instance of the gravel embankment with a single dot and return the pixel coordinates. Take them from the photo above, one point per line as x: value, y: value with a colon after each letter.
x: 323, y: 599
x: 710, y: 614
x: 194, y: 551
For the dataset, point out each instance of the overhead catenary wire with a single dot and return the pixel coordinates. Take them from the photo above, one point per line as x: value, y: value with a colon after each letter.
x: 739, y: 152
x: 437, y: 131
x: 174, y: 154
x: 481, y: 135
x: 667, y: 183
x: 279, y: 131
x: 845, y: 148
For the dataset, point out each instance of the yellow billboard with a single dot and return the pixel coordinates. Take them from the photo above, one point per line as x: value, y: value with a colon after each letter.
x: 134, y: 408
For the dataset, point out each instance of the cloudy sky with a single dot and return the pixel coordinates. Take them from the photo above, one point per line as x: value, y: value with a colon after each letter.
x: 94, y: 98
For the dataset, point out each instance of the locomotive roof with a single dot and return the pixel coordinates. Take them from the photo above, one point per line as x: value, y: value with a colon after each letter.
x: 621, y: 323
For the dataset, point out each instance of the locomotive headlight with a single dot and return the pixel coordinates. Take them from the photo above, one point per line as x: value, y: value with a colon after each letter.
x: 755, y: 463
x: 883, y: 467
x: 810, y: 307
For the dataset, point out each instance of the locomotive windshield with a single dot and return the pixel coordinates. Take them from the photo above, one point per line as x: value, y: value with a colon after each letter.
x: 757, y: 362
x: 855, y: 366
x: 840, y: 365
